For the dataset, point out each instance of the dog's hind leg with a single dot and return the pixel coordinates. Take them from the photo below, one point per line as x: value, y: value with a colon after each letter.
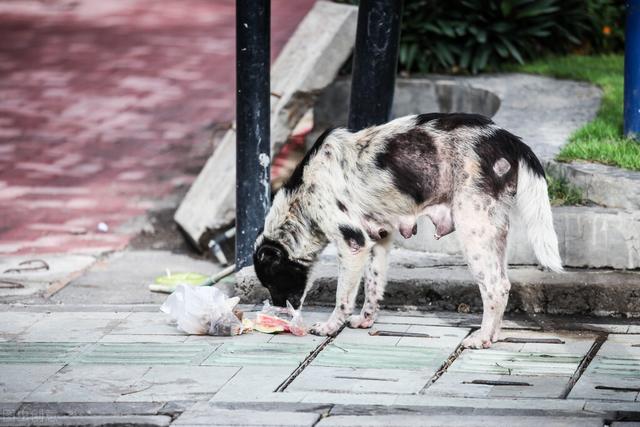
x: 482, y: 224
x: 352, y: 263
x: 375, y: 280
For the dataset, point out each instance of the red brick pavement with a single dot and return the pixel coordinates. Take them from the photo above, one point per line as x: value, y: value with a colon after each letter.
x: 104, y: 108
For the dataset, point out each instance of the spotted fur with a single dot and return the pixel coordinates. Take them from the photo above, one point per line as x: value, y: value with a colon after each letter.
x: 354, y: 188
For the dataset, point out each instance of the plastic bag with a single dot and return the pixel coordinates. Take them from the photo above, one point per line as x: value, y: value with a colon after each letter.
x: 203, y: 310
x: 269, y: 322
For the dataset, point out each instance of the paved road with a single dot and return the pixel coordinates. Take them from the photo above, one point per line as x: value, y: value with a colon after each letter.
x: 108, y: 106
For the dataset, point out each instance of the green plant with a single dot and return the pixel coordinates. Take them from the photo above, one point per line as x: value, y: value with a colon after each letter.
x: 561, y: 193
x: 474, y: 35
x: 600, y: 140
x: 461, y: 36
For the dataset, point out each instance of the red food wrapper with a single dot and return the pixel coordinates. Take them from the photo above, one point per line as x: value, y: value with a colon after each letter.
x: 268, y: 320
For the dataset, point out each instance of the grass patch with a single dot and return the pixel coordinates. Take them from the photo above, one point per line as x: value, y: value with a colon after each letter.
x: 561, y: 193
x: 600, y: 140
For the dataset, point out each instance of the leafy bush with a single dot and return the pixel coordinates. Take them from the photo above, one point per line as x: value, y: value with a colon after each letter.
x: 475, y: 35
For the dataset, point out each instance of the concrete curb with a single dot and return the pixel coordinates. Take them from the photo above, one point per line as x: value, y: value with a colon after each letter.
x: 591, y: 237
x: 435, y: 282
x: 579, y: 292
x: 605, y: 185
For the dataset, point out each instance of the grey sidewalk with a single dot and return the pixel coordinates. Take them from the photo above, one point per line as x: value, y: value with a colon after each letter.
x: 84, y: 343
x: 77, y: 364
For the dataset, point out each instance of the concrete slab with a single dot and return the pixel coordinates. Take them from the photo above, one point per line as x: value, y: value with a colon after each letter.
x: 72, y: 327
x: 125, y: 276
x: 455, y: 421
x: 260, y: 354
x: 88, y: 421
x: 256, y: 384
x: 90, y: 383
x: 204, y: 414
x: 614, y: 373
x: 160, y: 384
x: 358, y: 381
x: 482, y: 385
x: 147, y: 324
x: 12, y: 323
x: 605, y: 185
x: 50, y: 409
x: 141, y: 353
x: 18, y: 381
x: 578, y: 292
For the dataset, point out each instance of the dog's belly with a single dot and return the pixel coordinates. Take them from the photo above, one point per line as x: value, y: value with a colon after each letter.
x: 440, y: 215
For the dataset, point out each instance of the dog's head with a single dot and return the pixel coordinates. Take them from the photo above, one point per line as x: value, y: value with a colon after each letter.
x: 284, y: 277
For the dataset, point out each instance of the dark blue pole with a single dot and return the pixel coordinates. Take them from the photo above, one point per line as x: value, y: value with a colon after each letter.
x: 375, y: 62
x: 632, y: 71
x: 253, y: 149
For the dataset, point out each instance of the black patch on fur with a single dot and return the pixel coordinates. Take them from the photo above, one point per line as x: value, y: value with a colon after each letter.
x: 341, y: 206
x: 449, y: 121
x: 351, y: 233
x: 412, y: 159
x: 284, y: 277
x: 295, y: 180
x: 503, y: 144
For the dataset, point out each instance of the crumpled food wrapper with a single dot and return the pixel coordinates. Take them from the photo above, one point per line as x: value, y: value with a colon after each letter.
x: 269, y: 321
x: 203, y: 310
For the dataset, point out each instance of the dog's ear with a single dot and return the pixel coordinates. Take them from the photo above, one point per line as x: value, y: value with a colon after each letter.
x: 270, y: 254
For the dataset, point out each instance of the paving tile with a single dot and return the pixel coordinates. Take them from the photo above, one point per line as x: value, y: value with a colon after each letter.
x: 146, y: 354
x: 515, y: 363
x: 67, y: 327
x: 351, y: 380
x: 12, y: 323
x: 455, y: 421
x: 374, y: 356
x: 8, y: 409
x: 18, y: 381
x: 147, y: 324
x: 39, y: 352
x: 204, y: 414
x: 260, y: 354
x: 160, y: 384
x: 614, y: 373
x: 143, y: 339
x: 90, y: 383
x: 88, y: 421
x: 466, y: 385
x: 255, y: 384
x: 441, y: 336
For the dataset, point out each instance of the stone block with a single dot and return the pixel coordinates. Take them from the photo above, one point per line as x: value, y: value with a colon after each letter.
x: 588, y: 237
x: 608, y: 186
x: 204, y: 414
x: 309, y: 61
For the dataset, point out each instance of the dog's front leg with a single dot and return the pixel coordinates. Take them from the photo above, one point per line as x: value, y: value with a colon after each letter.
x: 375, y: 280
x: 351, y: 266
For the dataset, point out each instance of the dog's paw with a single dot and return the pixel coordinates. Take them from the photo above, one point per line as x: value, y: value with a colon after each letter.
x: 360, y: 321
x: 329, y: 329
x: 478, y: 339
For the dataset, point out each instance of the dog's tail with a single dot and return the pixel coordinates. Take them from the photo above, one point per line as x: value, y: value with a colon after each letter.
x: 532, y: 200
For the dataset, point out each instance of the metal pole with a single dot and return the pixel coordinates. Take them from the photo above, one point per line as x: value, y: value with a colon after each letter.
x: 253, y: 149
x: 374, y: 62
x: 632, y: 70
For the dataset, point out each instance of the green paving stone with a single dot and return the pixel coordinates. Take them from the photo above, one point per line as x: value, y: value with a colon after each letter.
x: 618, y: 366
x: 146, y: 353
x: 383, y: 357
x: 37, y: 352
x: 267, y: 354
x: 516, y: 363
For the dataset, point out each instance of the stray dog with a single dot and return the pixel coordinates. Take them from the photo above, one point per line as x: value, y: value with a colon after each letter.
x: 354, y: 188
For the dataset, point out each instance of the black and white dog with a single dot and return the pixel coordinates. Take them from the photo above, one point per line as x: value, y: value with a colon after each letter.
x: 354, y: 188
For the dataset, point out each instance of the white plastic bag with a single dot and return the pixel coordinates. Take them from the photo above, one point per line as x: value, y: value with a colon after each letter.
x: 201, y: 310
